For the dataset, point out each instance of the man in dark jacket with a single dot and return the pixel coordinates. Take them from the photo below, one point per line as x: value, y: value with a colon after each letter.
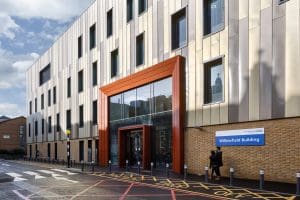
x: 220, y: 161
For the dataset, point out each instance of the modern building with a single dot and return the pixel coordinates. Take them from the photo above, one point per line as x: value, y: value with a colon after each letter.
x: 13, y: 134
x: 166, y: 81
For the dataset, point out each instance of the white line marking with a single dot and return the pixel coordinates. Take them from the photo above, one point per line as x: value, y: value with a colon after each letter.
x: 36, y: 175
x: 64, y: 171
x: 17, y: 177
x: 57, y: 176
x: 20, y: 195
x: 4, y: 164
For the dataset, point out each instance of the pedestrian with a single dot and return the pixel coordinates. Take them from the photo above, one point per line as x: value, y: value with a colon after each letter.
x: 220, y: 161
x: 213, y: 163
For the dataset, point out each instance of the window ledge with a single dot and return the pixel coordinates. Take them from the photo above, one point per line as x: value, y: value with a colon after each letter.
x: 142, y: 13
x: 212, y: 33
x: 181, y: 47
x: 214, y: 103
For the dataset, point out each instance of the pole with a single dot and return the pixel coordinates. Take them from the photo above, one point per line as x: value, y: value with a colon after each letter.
x: 68, y: 150
x: 231, y: 176
x: 261, y: 179
x: 298, y: 184
x: 109, y: 164
x: 206, y: 174
x: 152, y: 168
x: 185, y: 171
x: 167, y: 170
x: 139, y: 167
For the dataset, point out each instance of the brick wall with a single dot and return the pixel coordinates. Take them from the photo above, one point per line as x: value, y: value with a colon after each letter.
x: 12, y: 128
x: 280, y: 157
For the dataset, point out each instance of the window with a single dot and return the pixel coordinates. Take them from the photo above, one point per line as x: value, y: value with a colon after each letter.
x: 36, y: 128
x: 129, y: 10
x: 140, y: 49
x: 54, y: 95
x: 69, y: 87
x: 95, y: 82
x: 30, y: 107
x: 29, y: 130
x: 95, y: 112
x: 179, y: 30
x: 80, y: 46
x: 213, y: 16
x: 92, y: 36
x: 49, y: 125
x: 81, y: 116
x: 114, y: 63
x: 49, y: 97
x: 80, y: 81
x: 43, y: 126
x: 35, y: 105
x: 214, y: 81
x: 68, y: 120
x: 42, y: 101
x: 282, y: 1
x: 45, y: 74
x: 57, y: 122
x: 109, y: 22
x: 142, y: 6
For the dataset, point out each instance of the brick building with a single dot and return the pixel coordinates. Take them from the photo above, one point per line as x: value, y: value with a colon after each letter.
x: 13, y: 134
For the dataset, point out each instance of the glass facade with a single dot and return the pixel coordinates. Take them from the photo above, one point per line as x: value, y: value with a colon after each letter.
x: 150, y: 104
x: 213, y: 16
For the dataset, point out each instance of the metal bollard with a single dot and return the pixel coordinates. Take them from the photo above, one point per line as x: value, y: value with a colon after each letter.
x: 93, y: 166
x: 139, y: 167
x: 109, y: 165
x: 206, y: 174
x: 167, y: 170
x: 185, y: 172
x: 152, y: 168
x: 261, y: 179
x: 127, y: 166
x: 298, y: 184
x: 231, y: 170
x: 82, y: 165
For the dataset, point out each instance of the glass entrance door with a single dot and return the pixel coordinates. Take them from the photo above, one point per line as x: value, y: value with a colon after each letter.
x: 134, y: 147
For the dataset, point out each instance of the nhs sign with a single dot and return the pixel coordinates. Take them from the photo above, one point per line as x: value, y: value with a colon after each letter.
x: 243, y: 137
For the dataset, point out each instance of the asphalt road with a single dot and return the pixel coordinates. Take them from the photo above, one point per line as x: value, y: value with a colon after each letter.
x: 35, y: 182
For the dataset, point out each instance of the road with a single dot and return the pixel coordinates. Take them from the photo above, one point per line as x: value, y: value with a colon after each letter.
x: 36, y: 182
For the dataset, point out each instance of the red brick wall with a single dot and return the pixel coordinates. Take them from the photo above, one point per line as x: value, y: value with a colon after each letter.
x: 12, y: 128
x: 280, y: 157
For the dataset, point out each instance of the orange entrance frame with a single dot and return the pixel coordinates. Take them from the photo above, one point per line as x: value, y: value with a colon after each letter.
x: 173, y: 67
x: 146, y: 131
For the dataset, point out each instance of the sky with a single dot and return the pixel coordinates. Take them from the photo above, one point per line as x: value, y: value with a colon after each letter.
x: 27, y: 29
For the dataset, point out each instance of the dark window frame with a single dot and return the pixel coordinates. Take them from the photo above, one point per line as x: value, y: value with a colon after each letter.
x: 79, y: 46
x: 129, y: 10
x: 30, y: 107
x: 43, y: 126
x: 36, y: 128
x: 49, y: 98
x: 29, y: 130
x: 95, y: 112
x: 109, y: 23
x: 95, y: 73
x: 114, y: 66
x: 42, y: 101
x: 205, y: 21
x: 68, y: 119
x: 45, y: 74
x: 140, y: 62
x: 35, y: 105
x: 175, y: 17
x: 54, y: 95
x: 69, y: 87
x: 80, y: 81
x: 58, y: 122
x: 143, y: 9
x: 81, y: 116
x: 93, y: 36
x: 49, y: 124
x: 282, y: 1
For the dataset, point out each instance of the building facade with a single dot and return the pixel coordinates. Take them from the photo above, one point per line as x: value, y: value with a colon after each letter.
x: 156, y: 80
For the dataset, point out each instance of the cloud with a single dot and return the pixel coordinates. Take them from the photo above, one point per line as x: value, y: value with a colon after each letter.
x: 50, y: 9
x: 7, y: 26
x: 11, y: 110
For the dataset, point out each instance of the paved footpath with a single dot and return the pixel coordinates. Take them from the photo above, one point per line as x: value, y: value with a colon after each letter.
x: 43, y: 181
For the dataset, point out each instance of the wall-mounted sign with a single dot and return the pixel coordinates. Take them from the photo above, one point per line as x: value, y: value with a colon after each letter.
x: 6, y: 136
x: 243, y: 137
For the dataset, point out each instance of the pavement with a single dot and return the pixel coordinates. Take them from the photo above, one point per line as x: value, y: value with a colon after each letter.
x: 34, y: 180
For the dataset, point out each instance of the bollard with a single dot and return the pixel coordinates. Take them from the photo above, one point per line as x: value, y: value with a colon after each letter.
x: 93, y: 166
x: 185, y: 172
x: 152, y: 168
x: 231, y: 170
x: 206, y: 174
x: 127, y: 166
x: 82, y: 165
x: 109, y: 165
x: 139, y: 167
x: 167, y: 170
x: 261, y: 179
x: 298, y: 184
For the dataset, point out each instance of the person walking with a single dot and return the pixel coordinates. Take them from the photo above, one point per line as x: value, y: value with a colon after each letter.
x: 214, y: 165
x: 219, y: 156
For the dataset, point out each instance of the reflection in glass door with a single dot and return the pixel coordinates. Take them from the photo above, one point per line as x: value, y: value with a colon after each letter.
x: 134, y: 147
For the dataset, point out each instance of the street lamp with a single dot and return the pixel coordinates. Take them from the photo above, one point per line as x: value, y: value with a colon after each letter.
x: 68, y: 146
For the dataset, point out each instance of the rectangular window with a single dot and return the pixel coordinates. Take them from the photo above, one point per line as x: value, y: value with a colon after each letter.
x: 54, y: 95
x: 90, y: 151
x: 282, y: 1
x: 29, y: 130
x: 69, y: 87
x: 142, y: 6
x: 114, y: 62
x: 140, y: 50
x: 81, y: 150
x: 36, y: 128
x: 49, y: 125
x: 92, y: 36
x: 42, y: 102
x: 95, y: 72
x: 81, y: 116
x: 213, y: 16
x: 80, y: 81
x: 57, y: 122
x: 80, y: 46
x: 68, y: 120
x: 214, y: 81
x: 49, y: 97
x: 35, y: 105
x: 95, y: 112
x: 179, y: 35
x: 30, y: 107
x: 109, y: 21
x: 43, y: 126
x: 129, y: 10
x: 45, y: 74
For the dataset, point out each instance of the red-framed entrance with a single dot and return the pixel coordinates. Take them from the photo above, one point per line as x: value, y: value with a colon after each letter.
x: 173, y: 67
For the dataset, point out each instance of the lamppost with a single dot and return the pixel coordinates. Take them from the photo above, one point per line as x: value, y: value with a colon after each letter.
x: 68, y: 146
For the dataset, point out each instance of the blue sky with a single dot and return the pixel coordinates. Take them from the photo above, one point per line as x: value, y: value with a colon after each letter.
x: 27, y: 29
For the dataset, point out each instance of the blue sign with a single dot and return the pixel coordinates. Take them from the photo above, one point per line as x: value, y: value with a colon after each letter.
x: 243, y: 137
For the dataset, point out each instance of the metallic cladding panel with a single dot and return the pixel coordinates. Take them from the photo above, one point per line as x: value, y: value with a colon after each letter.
x: 160, y: 28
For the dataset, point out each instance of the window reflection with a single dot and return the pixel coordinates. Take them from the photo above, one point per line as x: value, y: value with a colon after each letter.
x: 129, y: 103
x: 143, y: 100
x: 163, y: 95
x: 115, y: 107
